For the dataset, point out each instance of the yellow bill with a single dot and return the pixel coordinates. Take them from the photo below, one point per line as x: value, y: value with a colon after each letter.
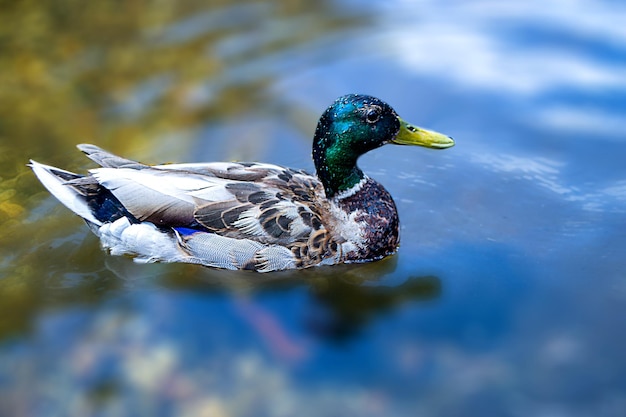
x: 413, y: 135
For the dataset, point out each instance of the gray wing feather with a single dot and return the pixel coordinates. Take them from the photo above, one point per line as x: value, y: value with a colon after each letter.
x: 224, y: 252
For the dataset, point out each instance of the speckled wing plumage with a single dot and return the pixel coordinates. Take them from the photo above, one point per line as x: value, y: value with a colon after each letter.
x: 228, y: 215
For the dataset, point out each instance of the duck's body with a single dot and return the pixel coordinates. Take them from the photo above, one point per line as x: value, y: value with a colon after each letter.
x: 247, y: 215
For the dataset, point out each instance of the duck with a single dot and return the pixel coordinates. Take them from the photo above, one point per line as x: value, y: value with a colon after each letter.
x: 249, y: 215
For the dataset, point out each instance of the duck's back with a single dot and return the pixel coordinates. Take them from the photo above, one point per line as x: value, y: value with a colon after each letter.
x: 227, y: 215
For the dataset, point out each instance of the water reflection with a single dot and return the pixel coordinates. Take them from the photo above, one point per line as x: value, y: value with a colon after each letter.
x: 520, y: 47
x: 345, y: 297
x: 345, y: 308
x: 507, y: 293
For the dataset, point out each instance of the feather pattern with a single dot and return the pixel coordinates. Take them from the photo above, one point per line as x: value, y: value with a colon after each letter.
x: 226, y: 215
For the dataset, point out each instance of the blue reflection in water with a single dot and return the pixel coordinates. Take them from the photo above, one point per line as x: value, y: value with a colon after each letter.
x: 508, y: 293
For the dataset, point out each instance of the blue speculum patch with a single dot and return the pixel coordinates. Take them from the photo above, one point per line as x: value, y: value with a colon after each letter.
x: 186, y: 231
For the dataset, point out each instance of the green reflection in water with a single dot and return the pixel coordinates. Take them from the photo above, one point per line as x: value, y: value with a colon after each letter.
x: 120, y: 74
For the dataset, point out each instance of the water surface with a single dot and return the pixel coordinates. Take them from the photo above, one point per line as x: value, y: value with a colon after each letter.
x: 507, y: 296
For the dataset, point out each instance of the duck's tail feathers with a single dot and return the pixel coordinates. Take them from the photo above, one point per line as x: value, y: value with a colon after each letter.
x: 107, y: 159
x: 56, y: 181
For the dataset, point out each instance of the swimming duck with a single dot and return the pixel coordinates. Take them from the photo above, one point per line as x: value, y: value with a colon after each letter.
x: 256, y: 216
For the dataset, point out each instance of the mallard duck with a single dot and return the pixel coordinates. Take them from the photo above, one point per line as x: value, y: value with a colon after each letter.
x: 257, y: 216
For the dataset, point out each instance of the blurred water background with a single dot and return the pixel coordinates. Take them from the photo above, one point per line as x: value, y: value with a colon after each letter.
x: 508, y: 294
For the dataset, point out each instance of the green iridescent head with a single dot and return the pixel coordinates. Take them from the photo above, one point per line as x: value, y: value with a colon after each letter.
x: 355, y: 124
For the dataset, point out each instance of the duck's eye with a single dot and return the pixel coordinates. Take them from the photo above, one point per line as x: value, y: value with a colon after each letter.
x: 372, y: 115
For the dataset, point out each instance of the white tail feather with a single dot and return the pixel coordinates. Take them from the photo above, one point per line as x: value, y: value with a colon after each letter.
x: 69, y: 197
